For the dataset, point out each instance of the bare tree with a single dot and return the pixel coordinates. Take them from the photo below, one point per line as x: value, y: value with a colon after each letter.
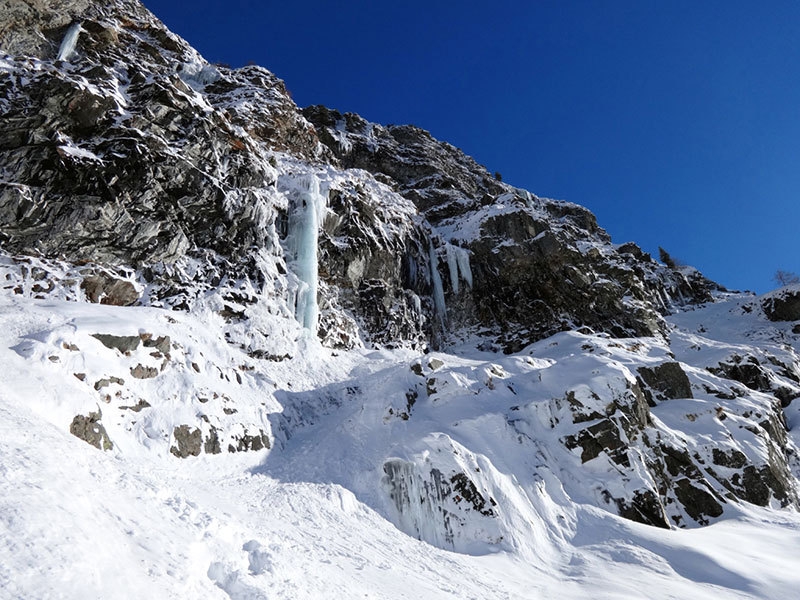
x: 783, y: 278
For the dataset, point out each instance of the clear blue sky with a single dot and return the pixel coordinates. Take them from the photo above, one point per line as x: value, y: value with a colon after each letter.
x: 676, y: 122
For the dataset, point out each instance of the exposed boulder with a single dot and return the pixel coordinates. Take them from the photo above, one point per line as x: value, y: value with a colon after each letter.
x: 141, y: 371
x: 666, y: 381
x: 90, y: 430
x: 783, y: 304
x: 746, y: 370
x: 250, y: 442
x: 188, y: 441
x: 109, y: 290
x: 124, y: 343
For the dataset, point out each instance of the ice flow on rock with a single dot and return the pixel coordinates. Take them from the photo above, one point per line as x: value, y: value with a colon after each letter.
x: 70, y: 41
x: 304, y: 222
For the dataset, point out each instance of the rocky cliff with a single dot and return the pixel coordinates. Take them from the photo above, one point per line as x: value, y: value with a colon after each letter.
x: 134, y: 173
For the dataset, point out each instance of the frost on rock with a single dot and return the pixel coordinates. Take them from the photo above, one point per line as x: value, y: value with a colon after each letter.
x: 419, y: 502
x: 305, y: 218
x: 442, y: 505
x: 197, y: 73
x: 70, y: 41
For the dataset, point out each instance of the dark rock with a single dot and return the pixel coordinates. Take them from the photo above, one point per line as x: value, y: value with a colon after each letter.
x: 748, y: 372
x: 697, y: 500
x: 465, y: 489
x: 528, y: 273
x: 600, y: 437
x: 188, y: 441
x: 732, y: 459
x: 101, y: 383
x: 667, y: 381
x: 123, y: 343
x: 212, y: 445
x: 141, y: 404
x: 644, y: 507
x: 90, y: 430
x: 782, y: 305
x: 679, y: 462
x: 247, y: 442
x: 579, y: 412
x: 161, y: 343
x: 142, y: 372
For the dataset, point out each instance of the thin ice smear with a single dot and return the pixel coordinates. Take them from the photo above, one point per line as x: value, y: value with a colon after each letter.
x: 70, y: 42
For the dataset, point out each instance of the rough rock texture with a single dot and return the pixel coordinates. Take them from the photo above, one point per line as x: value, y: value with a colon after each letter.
x: 188, y: 441
x: 664, y: 382
x: 90, y: 430
x: 537, y: 266
x: 123, y: 343
x: 148, y: 157
x: 137, y: 173
x: 783, y: 305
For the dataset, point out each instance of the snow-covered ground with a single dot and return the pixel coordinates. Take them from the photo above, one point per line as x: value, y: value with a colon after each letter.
x: 318, y: 515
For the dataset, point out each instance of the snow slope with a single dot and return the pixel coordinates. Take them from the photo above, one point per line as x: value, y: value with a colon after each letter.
x: 205, y: 443
x: 310, y: 517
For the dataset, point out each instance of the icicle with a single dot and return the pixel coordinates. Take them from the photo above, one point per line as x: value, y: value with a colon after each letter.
x: 462, y: 255
x: 416, y: 303
x: 438, y: 290
x: 69, y: 42
x: 304, y: 225
x: 458, y: 263
x: 452, y: 264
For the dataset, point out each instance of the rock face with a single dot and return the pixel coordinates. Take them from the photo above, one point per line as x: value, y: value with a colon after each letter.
x: 536, y: 265
x: 664, y: 382
x: 90, y: 430
x: 135, y: 173
x: 783, y: 305
x: 135, y: 152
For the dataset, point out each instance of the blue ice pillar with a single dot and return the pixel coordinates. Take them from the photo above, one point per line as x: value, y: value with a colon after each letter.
x: 304, y: 222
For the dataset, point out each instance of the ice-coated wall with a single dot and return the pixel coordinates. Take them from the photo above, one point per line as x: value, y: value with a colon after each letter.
x: 305, y: 218
x: 458, y: 264
x: 69, y: 42
x: 438, y: 289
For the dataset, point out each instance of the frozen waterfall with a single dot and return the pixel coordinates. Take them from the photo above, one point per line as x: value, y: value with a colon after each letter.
x: 70, y: 41
x: 438, y: 289
x: 304, y: 223
x: 458, y: 263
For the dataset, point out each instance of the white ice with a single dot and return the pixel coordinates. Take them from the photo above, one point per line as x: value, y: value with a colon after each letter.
x: 70, y: 41
x: 458, y: 264
x: 438, y: 289
x: 304, y: 222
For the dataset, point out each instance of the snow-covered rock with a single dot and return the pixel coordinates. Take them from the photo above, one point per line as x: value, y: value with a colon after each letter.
x: 291, y: 337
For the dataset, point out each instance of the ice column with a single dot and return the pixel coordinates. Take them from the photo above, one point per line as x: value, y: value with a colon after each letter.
x: 438, y: 290
x: 458, y: 263
x: 69, y: 42
x: 304, y: 222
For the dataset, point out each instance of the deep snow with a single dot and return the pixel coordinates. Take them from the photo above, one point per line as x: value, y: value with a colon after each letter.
x: 311, y: 517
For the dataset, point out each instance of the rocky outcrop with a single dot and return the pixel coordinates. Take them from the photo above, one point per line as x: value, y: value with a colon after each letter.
x: 90, y: 430
x: 536, y: 266
x: 134, y: 172
x: 664, y: 382
x: 188, y: 441
x: 783, y: 304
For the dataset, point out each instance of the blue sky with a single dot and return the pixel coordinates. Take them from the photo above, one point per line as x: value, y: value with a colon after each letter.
x: 676, y: 122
